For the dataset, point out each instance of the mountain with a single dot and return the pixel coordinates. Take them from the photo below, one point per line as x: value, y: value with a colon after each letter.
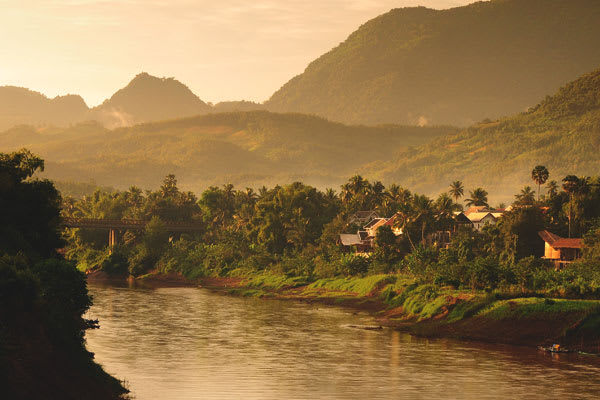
x: 145, y: 99
x: 562, y: 133
x: 244, y: 148
x: 457, y: 66
x: 22, y: 106
x: 148, y: 98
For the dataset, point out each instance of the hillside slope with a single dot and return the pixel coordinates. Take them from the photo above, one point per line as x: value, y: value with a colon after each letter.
x: 456, y: 66
x: 245, y: 148
x: 562, y: 133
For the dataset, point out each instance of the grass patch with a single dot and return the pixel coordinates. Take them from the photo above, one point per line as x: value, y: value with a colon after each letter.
x: 275, y: 282
x: 359, y: 286
x: 525, y: 307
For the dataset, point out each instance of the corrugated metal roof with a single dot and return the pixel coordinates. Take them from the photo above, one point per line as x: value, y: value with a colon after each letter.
x: 478, y: 216
x: 373, y: 222
x: 349, y: 239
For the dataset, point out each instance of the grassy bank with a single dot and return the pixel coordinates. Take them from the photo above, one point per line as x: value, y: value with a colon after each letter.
x: 430, y: 310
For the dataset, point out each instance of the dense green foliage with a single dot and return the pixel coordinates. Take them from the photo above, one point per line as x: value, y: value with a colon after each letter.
x: 562, y: 133
x: 289, y: 235
x: 456, y: 66
x: 246, y: 148
x: 42, y: 296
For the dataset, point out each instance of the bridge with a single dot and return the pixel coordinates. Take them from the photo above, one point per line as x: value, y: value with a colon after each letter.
x: 114, y: 225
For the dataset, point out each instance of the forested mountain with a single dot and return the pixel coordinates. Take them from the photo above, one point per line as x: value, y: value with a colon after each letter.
x: 148, y: 98
x: 245, y: 148
x: 23, y: 106
x: 457, y: 66
x: 562, y: 133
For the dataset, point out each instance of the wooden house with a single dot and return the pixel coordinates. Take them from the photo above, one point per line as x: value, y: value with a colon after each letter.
x: 561, y: 251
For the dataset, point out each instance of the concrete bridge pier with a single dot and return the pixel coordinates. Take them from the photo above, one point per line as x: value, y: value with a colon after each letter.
x: 112, y: 239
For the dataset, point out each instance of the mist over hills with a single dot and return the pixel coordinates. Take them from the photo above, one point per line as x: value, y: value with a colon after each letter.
x: 148, y: 98
x: 244, y: 148
x: 456, y: 66
x: 562, y: 132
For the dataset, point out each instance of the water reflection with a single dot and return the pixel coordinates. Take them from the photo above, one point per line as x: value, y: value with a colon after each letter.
x: 186, y: 343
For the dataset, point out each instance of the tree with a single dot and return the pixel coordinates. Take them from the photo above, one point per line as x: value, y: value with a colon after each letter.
x: 444, y: 210
x: 356, y: 193
x: 423, y: 212
x: 30, y: 207
x: 169, y: 187
x: 571, y: 185
x: 540, y: 175
x: 477, y: 197
x: 552, y: 188
x: 395, y: 196
x: 526, y: 197
x: 457, y: 190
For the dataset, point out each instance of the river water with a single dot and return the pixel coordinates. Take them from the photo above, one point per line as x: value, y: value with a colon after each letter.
x: 188, y: 343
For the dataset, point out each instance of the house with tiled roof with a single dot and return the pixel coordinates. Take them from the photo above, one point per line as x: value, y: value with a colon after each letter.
x: 561, y: 251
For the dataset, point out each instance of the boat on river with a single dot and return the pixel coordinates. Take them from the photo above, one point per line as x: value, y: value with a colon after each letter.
x: 555, y: 348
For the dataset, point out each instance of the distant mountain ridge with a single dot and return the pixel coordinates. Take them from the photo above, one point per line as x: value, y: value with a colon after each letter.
x: 145, y: 98
x: 24, y: 106
x: 456, y: 66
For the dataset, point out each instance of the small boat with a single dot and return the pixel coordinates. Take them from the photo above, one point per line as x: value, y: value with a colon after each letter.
x: 555, y: 348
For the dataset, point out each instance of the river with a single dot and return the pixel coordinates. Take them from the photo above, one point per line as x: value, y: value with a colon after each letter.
x: 188, y: 343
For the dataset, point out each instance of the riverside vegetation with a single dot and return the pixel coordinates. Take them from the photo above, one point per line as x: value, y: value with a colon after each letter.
x: 42, y: 296
x: 282, y: 242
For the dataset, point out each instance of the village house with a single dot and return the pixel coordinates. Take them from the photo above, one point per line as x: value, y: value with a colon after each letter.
x: 481, y: 219
x: 363, y: 240
x: 561, y: 251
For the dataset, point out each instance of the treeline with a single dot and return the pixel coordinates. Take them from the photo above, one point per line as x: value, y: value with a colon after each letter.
x: 293, y: 230
x: 42, y: 296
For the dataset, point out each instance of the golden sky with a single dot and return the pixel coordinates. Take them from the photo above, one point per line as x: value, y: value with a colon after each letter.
x: 223, y: 50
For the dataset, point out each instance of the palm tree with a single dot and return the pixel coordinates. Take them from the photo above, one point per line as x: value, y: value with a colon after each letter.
x: 540, y: 175
x: 457, y: 190
x: 376, y: 194
x: 169, y: 186
x: 330, y: 194
x: 570, y: 185
x: 423, y: 212
x: 477, y: 197
x: 552, y: 188
x: 526, y: 197
x: 404, y: 214
x: 444, y: 209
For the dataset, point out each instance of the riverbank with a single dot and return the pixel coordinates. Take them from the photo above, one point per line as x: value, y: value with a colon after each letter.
x: 426, y: 310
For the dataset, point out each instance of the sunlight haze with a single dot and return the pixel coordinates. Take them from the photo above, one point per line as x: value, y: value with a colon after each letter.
x: 226, y: 50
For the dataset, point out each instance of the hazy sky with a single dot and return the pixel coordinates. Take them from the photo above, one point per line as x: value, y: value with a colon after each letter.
x: 221, y: 49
